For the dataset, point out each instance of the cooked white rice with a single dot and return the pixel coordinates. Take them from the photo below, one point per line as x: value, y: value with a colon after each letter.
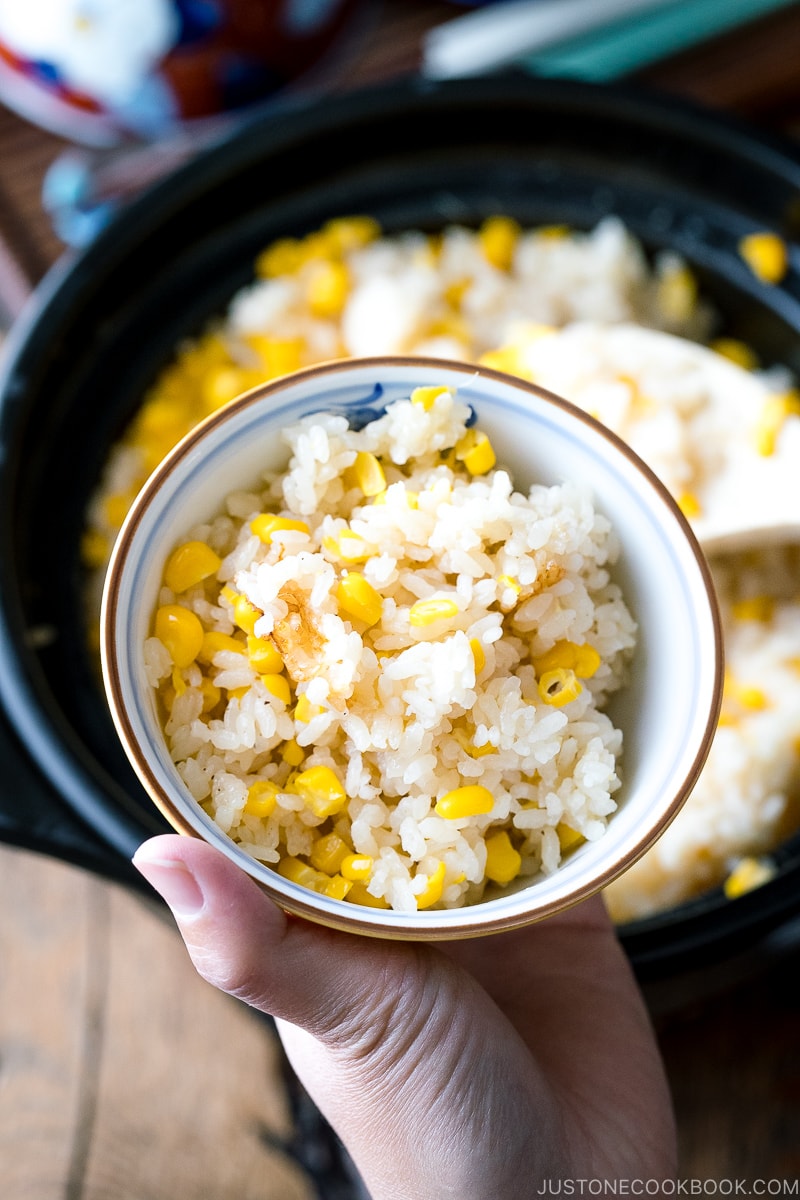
x: 748, y: 797
x: 410, y: 294
x: 717, y: 434
x: 403, y: 710
x: 700, y: 421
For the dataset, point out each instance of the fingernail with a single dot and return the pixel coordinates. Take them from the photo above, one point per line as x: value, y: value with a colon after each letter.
x: 174, y: 883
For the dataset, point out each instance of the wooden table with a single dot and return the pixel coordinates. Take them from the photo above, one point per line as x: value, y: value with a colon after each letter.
x: 123, y: 1075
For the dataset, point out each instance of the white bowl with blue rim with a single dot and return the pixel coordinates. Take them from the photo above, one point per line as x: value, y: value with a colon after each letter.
x: 667, y: 711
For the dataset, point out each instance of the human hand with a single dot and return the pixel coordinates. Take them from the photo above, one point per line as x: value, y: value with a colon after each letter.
x: 477, y: 1069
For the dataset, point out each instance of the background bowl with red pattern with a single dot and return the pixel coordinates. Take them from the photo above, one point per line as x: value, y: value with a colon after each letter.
x: 108, y: 71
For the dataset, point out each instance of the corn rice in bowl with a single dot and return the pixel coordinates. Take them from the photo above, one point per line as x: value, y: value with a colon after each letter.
x: 665, y: 712
x: 586, y: 315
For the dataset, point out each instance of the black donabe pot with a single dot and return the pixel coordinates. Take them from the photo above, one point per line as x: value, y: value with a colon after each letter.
x: 414, y: 156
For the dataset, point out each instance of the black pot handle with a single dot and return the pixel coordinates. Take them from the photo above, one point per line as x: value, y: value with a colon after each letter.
x: 34, y: 817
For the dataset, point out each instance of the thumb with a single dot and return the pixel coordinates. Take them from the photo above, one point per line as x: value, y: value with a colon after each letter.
x: 241, y: 942
x: 389, y: 1038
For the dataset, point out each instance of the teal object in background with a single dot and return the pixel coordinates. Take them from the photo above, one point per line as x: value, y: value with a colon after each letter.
x: 635, y: 42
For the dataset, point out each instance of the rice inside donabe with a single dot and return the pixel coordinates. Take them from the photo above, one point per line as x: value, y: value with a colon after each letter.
x: 447, y: 645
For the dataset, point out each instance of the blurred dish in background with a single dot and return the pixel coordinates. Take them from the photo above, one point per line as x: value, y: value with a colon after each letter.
x: 101, y: 72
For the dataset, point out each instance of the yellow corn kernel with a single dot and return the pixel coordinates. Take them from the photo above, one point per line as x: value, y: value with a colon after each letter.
x: 748, y: 873
x: 774, y: 412
x: 553, y: 233
x: 503, y: 862
x: 529, y: 332
x: 304, y: 710
x: 190, y: 564
x: 211, y: 694
x: 181, y: 632
x: 291, y: 753
x: 161, y: 414
x: 283, y: 257
x: 478, y: 654
x: 278, y: 686
x: 279, y: 356
x: 317, y: 247
x: 476, y: 452
x: 95, y: 548
x: 559, y: 686
x: 225, y: 384
x: 322, y: 791
x: 327, y: 290
x: 432, y: 892
x: 754, y: 608
x: 473, y: 800
x: 689, y: 505
x: 451, y: 325
x: 432, y: 250
x: 352, y: 548
x: 465, y: 741
x: 583, y: 659
x: 329, y: 852
x: 178, y: 682
x: 506, y: 358
x: 736, y: 351
x: 264, y: 656
x: 115, y: 508
x: 411, y: 498
x: 768, y: 427
x: 358, y: 598
x: 358, y: 894
x: 267, y: 524
x: 751, y: 697
x: 454, y: 292
x: 367, y: 474
x: 509, y: 584
x: 350, y: 233
x: 214, y: 642
x: 426, y: 397
x: 337, y: 887
x: 568, y: 838
x: 586, y: 662
x: 262, y: 796
x: 196, y: 359
x: 677, y: 293
x: 300, y: 872
x: 435, y: 608
x: 356, y: 867
x: 284, y: 355
x: 766, y: 255
x: 498, y: 237
x: 155, y: 451
x: 237, y: 693
x: 640, y: 403
x: 245, y: 614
